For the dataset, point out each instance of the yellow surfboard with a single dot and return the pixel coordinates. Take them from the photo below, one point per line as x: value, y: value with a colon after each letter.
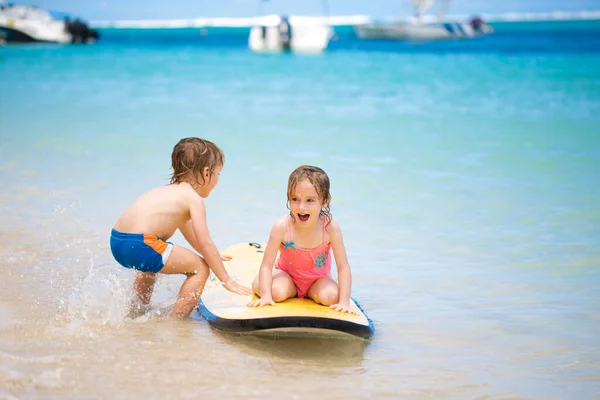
x: 228, y: 311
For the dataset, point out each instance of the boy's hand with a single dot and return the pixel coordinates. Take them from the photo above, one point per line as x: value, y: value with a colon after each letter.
x: 235, y: 287
x: 345, y: 308
x: 263, y: 301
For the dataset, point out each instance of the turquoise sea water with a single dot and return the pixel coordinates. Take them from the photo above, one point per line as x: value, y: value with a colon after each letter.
x: 464, y: 177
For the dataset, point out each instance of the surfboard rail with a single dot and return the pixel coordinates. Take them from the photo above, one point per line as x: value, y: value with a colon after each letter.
x: 286, y: 322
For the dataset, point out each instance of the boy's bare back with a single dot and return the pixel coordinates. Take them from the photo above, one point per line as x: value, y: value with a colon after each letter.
x: 160, y: 211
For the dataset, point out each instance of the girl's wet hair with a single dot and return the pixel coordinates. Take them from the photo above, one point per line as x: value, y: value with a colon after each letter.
x: 189, y: 158
x: 319, y: 179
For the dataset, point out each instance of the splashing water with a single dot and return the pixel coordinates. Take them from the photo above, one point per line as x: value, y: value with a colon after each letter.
x: 103, y: 297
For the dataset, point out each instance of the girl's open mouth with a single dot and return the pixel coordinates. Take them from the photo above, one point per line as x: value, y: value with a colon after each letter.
x: 303, y: 217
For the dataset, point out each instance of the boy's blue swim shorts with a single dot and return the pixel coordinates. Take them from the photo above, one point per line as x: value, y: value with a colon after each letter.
x: 146, y: 253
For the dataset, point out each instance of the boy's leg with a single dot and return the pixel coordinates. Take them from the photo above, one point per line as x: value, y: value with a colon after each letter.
x: 184, y: 261
x: 143, y: 285
x: 324, y: 291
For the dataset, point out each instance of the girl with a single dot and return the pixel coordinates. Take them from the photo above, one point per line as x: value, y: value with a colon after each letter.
x: 304, y: 239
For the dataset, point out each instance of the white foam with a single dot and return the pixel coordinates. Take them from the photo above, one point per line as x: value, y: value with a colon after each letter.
x: 341, y: 20
x: 50, y: 379
x: 10, y: 358
x: 47, y: 379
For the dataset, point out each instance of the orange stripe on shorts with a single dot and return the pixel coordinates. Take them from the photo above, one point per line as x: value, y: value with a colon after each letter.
x: 158, y: 245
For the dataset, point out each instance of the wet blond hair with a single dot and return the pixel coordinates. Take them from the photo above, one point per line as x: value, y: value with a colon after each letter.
x: 189, y: 158
x: 319, y: 179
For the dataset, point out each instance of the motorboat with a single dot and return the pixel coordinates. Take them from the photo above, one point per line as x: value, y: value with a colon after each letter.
x: 275, y: 33
x: 23, y: 23
x: 422, y: 28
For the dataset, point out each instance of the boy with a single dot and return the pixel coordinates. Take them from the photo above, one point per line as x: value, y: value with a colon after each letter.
x: 139, y: 238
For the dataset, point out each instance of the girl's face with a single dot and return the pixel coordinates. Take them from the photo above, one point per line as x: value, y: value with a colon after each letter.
x: 305, y: 204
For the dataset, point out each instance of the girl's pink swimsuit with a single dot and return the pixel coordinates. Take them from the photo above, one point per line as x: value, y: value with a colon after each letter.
x: 305, y: 266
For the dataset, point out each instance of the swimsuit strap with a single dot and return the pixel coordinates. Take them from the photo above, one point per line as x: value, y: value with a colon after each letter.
x: 289, y: 233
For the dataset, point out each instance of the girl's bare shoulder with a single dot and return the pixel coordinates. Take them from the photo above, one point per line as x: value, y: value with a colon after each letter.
x: 280, y: 226
x: 332, y: 228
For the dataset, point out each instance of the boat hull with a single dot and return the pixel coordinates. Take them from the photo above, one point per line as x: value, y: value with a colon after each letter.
x: 278, y: 34
x: 420, y: 32
x: 26, y: 24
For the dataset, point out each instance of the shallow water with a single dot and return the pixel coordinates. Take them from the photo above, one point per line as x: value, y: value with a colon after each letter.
x: 464, y: 177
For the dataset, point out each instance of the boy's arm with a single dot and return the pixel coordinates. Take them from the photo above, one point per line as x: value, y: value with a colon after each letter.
x: 208, y: 249
x: 343, y: 267
x: 187, y: 230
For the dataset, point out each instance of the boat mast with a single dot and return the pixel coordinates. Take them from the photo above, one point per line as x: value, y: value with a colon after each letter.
x: 325, y: 7
x: 422, y: 6
x: 443, y: 9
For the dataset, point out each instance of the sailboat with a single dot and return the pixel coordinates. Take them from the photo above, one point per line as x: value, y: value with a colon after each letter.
x: 421, y: 28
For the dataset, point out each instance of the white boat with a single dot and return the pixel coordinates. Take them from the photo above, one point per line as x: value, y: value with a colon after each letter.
x: 276, y: 33
x: 419, y: 31
x: 421, y: 28
x: 22, y: 23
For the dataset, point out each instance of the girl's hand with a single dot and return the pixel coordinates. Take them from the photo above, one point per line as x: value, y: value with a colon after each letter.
x: 235, y: 287
x: 345, y: 308
x: 225, y: 257
x: 261, y: 302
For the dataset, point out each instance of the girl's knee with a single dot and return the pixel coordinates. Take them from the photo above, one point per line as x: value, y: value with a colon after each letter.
x: 329, y: 295
x: 256, y: 286
x: 279, y: 293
